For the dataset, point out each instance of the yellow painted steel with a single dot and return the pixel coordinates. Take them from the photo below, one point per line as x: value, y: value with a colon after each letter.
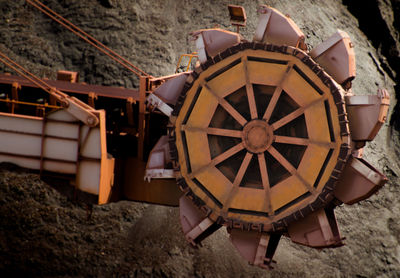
x: 286, y: 191
x: 246, y: 199
x: 228, y: 82
x: 203, y: 110
x: 221, y: 188
x: 312, y: 161
x: 299, y: 90
x: 198, y: 150
x: 317, y: 124
x: 257, y: 72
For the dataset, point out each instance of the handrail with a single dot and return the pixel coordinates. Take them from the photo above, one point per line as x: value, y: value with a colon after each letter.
x: 45, y: 105
x: 191, y: 56
x: 32, y: 78
x: 73, y: 105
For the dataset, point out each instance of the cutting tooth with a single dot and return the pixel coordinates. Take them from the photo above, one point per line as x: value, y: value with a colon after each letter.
x: 276, y: 28
x: 336, y: 56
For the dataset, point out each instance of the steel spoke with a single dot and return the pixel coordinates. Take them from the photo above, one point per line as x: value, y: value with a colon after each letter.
x: 223, y: 156
x: 288, y: 118
x: 265, y: 182
x: 289, y: 167
x: 302, y: 141
x: 228, y: 108
x: 224, y: 132
x: 295, y: 114
x: 292, y: 140
x: 215, y: 131
x: 282, y: 160
x: 277, y: 94
x: 227, y: 154
x: 238, y: 179
x: 272, y: 103
x: 242, y: 169
x: 250, y: 91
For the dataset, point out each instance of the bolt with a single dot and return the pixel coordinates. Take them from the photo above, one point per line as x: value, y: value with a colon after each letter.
x: 90, y: 120
x: 64, y: 103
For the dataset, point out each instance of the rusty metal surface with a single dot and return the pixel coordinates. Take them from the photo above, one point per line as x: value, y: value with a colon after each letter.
x: 74, y: 106
x: 159, y: 191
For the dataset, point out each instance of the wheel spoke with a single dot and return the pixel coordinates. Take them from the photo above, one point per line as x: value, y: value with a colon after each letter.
x: 224, y: 132
x: 223, y: 156
x: 227, y: 154
x: 265, y: 182
x: 302, y: 141
x: 228, y: 108
x: 215, y: 131
x: 295, y: 114
x: 272, y: 103
x: 292, y: 140
x: 282, y: 160
x: 288, y: 118
x: 250, y: 92
x: 277, y: 94
x: 237, y: 181
x: 289, y: 167
x: 242, y: 169
x: 263, y: 170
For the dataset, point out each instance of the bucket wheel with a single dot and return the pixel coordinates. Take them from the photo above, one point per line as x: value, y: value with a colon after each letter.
x: 263, y: 139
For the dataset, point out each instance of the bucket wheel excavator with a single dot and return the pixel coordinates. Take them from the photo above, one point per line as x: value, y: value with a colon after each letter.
x: 266, y: 137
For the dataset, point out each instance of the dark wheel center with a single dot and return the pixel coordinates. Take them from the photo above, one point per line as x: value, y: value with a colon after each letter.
x: 257, y: 136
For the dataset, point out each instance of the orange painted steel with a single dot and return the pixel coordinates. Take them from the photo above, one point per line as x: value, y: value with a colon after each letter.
x: 75, y: 88
x: 32, y: 78
x: 12, y: 101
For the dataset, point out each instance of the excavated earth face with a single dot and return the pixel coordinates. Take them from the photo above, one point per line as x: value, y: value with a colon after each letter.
x: 44, y: 234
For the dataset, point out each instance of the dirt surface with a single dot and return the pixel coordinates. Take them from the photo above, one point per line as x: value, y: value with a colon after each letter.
x: 43, y: 234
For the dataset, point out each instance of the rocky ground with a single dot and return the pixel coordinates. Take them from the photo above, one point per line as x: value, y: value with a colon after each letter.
x: 43, y: 234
